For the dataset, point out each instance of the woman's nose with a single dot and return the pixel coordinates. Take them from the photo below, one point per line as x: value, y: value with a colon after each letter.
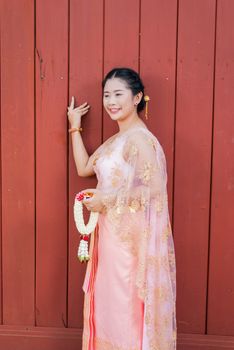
x: 111, y: 100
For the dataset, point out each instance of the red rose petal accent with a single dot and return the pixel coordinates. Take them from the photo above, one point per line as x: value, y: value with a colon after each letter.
x: 80, y: 196
x: 85, y: 238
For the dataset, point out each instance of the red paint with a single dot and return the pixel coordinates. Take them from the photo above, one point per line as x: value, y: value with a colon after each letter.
x: 17, y: 163
x: 51, y: 162
x: 192, y: 168
x: 158, y: 70
x: 121, y: 28
x: 86, y: 60
x: 185, y: 59
x: 221, y: 282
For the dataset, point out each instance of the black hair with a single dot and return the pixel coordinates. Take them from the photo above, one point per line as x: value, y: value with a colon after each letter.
x: 132, y: 79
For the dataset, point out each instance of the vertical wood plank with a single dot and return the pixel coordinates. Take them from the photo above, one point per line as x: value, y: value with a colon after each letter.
x: 157, y: 68
x: 121, y: 46
x: 17, y: 156
x: 51, y: 162
x: 1, y: 276
x: 220, y: 317
x: 86, y: 65
x: 139, y: 34
x: 193, y: 159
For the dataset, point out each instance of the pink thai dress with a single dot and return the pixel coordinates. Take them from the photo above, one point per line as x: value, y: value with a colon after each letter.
x: 130, y: 281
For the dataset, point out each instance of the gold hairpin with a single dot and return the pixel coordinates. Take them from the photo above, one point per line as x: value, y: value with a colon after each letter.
x: 146, y: 98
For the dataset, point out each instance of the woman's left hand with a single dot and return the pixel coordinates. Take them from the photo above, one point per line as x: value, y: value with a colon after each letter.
x: 94, y: 203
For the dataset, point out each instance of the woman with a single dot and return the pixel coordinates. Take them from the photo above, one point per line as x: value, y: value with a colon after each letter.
x: 130, y: 282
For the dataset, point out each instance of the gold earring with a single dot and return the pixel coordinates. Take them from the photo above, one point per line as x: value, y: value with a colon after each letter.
x: 146, y: 98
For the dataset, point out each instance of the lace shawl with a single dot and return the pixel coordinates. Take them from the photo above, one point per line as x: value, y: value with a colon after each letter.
x: 138, y: 210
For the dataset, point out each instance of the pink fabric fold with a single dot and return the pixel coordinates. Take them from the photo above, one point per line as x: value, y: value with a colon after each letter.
x: 130, y: 282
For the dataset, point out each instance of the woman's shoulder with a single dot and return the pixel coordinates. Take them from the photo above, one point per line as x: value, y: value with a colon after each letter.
x: 140, y: 135
x: 106, y: 142
x: 143, y: 135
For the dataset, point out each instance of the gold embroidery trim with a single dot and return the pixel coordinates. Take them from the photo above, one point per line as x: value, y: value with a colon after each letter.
x: 101, y: 344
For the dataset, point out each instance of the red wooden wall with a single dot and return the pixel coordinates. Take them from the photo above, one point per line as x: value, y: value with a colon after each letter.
x: 51, y: 50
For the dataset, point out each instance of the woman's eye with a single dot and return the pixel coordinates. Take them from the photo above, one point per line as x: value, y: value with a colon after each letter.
x: 118, y: 94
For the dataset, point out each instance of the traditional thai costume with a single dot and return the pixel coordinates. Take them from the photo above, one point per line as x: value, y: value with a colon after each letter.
x: 130, y: 281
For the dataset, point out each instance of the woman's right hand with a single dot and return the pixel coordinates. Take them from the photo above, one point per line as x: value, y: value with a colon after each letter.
x: 75, y: 114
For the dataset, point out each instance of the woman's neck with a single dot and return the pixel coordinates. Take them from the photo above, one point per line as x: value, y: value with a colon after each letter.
x: 130, y: 122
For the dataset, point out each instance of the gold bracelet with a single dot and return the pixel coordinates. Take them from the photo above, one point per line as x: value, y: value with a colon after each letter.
x: 74, y: 129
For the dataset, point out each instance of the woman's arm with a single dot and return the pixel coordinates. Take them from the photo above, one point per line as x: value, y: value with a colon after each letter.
x: 84, y: 163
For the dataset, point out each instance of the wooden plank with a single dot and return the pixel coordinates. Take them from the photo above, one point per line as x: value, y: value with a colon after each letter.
x: 51, y: 158
x: 86, y: 57
x: 17, y: 137
x: 52, y: 338
x: 192, y: 159
x: 220, y: 317
x: 1, y: 277
x: 37, y: 338
x: 121, y: 46
x: 157, y: 69
x: 204, y: 342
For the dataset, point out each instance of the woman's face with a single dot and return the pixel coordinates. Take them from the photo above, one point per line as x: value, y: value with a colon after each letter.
x: 118, y: 99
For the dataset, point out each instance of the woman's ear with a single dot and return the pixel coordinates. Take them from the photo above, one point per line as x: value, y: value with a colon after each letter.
x: 139, y: 96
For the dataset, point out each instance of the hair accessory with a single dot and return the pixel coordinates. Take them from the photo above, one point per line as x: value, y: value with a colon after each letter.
x: 74, y: 129
x: 146, y: 98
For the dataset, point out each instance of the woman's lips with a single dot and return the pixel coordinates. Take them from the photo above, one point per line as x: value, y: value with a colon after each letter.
x: 114, y: 110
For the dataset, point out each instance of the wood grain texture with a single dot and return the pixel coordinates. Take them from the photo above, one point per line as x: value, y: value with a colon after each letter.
x: 121, y: 43
x: 158, y: 71
x: 51, y: 162
x: 194, y: 102
x: 86, y: 65
x: 17, y: 161
x: 221, y: 277
x: 53, y: 338
x: 184, y: 52
x: 1, y: 276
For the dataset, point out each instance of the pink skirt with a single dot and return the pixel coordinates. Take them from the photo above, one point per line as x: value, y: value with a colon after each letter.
x: 113, y: 313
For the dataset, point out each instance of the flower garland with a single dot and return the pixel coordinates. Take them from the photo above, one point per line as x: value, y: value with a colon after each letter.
x: 85, y: 230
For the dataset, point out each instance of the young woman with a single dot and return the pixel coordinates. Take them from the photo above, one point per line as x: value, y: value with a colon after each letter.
x: 130, y: 281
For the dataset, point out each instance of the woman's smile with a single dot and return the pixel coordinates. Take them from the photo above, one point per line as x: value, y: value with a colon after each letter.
x: 114, y: 110
x: 117, y: 99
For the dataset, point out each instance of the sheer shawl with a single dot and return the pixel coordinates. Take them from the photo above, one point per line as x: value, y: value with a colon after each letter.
x: 138, y: 209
